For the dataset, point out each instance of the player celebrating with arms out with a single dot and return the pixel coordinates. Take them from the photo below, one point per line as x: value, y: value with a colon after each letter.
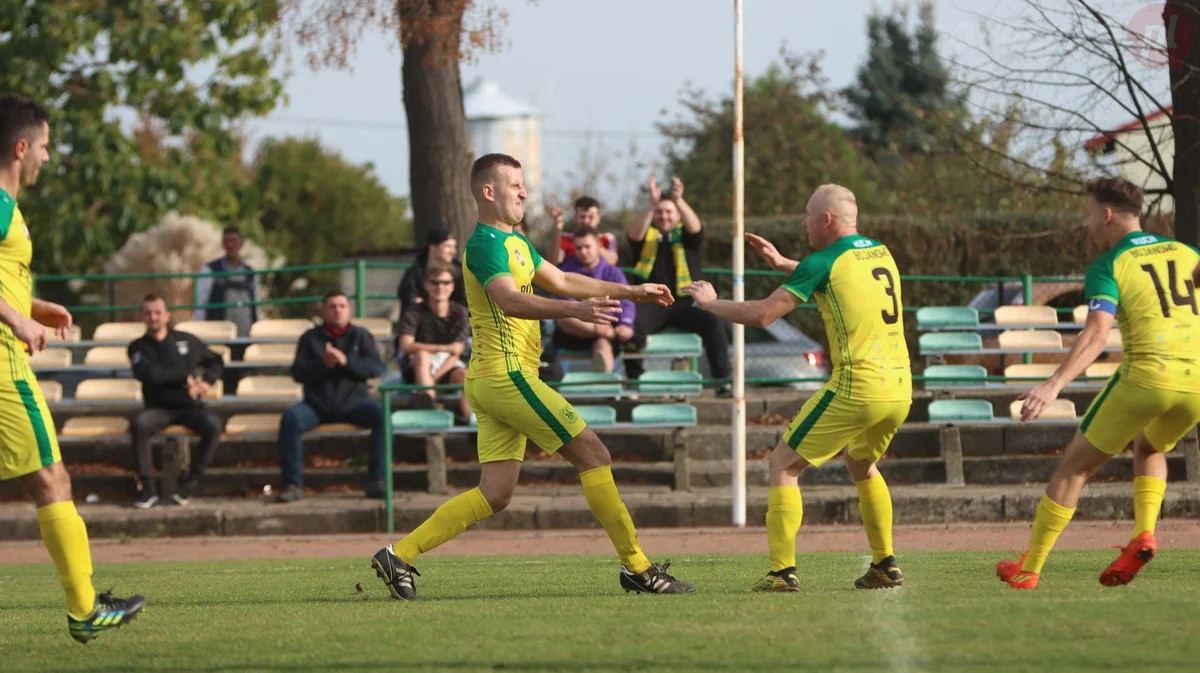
x: 856, y: 285
x: 28, y: 446
x: 1142, y: 280
x: 500, y: 268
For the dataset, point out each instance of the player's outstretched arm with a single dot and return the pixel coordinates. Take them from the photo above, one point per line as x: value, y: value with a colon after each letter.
x: 771, y: 254
x: 758, y: 313
x: 1090, y: 344
x: 578, y: 286
x: 516, y: 304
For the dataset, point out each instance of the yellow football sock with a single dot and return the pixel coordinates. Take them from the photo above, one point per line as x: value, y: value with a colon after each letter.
x: 1050, y: 520
x: 65, y: 537
x: 1148, y: 495
x: 600, y: 491
x: 446, y: 523
x: 785, y: 512
x: 875, y: 508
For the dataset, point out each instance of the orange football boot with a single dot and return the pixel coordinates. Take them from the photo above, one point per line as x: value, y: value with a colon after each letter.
x: 1137, y: 553
x: 1010, y: 571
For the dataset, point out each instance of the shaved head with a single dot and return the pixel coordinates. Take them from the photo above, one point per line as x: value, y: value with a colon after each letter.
x: 838, y: 202
x: 832, y: 212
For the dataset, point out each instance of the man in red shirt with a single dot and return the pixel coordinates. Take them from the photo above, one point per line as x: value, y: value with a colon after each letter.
x: 587, y: 214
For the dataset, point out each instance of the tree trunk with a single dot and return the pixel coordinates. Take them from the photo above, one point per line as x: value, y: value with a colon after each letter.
x: 439, y: 152
x: 1185, y: 123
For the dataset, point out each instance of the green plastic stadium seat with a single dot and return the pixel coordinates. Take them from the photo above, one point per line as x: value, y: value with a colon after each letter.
x: 673, y: 343
x: 659, y: 414
x: 421, y: 419
x: 594, y: 383
x: 960, y: 410
x: 946, y: 316
x: 670, y: 383
x: 955, y: 376
x: 597, y: 414
x: 937, y: 342
x: 474, y: 423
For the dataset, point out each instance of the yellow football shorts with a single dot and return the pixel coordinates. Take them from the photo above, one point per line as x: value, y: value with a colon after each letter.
x: 1124, y: 408
x: 510, y: 407
x: 27, y: 439
x: 826, y: 424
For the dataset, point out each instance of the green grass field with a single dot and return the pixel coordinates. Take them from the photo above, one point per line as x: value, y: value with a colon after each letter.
x: 568, y: 614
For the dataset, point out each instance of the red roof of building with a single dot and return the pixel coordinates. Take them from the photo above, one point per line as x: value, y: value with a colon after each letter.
x: 1100, y: 141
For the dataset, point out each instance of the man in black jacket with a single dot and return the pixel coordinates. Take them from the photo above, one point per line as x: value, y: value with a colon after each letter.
x: 176, y: 370
x: 334, y: 361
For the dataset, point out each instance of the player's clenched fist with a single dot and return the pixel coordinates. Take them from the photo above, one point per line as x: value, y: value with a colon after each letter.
x: 598, y: 310
x: 653, y: 293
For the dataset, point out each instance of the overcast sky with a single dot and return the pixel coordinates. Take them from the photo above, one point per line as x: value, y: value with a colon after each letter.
x: 601, y: 71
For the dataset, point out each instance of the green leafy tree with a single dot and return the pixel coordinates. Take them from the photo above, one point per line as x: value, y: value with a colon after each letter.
x: 435, y: 37
x: 901, y: 84
x: 317, y: 207
x: 188, y: 70
x: 791, y: 147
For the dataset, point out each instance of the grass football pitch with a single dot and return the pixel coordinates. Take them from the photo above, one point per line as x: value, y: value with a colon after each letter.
x: 569, y: 614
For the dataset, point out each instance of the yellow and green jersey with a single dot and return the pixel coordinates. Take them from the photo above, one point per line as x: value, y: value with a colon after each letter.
x: 500, y: 343
x: 16, y: 285
x: 857, y: 287
x: 1146, y: 282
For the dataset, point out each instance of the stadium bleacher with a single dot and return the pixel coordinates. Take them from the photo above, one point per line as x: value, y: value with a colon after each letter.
x: 660, y: 424
x: 106, y: 397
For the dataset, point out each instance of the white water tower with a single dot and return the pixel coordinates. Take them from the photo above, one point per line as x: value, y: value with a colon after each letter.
x: 498, y: 123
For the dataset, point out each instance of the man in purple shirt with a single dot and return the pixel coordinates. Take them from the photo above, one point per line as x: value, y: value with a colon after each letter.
x: 604, y: 341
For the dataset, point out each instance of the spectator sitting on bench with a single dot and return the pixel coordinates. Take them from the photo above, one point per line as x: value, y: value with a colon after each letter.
x: 587, y: 214
x: 334, y: 361
x: 604, y: 342
x: 176, y: 370
x: 433, y: 336
x: 440, y: 246
x: 666, y: 240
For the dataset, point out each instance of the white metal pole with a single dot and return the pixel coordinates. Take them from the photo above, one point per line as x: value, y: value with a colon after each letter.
x: 739, y: 262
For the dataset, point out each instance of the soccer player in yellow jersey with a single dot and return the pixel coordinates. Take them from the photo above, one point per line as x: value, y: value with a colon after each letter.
x: 1147, y: 283
x: 28, y: 445
x: 500, y: 268
x: 857, y: 287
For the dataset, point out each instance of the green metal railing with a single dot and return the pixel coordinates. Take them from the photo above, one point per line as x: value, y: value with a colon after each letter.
x: 361, y: 267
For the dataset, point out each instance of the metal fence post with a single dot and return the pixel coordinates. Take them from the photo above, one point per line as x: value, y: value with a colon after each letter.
x: 387, y: 460
x: 360, y: 288
x: 112, y: 299
x: 1027, y: 294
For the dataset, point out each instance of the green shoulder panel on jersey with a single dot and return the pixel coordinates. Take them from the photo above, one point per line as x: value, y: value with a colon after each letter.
x: 812, y: 274
x: 8, y: 207
x: 486, y: 257
x: 1100, y: 281
x: 533, y: 253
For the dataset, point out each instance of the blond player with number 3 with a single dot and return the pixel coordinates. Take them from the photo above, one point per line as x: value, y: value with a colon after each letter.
x: 857, y: 286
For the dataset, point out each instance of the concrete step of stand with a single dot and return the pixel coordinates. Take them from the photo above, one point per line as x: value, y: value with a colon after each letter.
x: 559, y: 507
